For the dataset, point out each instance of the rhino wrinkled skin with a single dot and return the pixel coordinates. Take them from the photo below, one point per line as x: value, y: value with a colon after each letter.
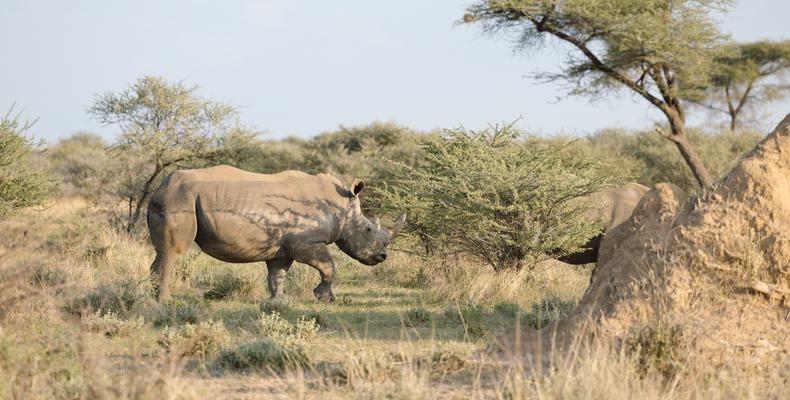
x: 614, y: 206
x: 238, y: 216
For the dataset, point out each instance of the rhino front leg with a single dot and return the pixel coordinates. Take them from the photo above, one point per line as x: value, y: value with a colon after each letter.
x: 278, y: 270
x: 317, y: 256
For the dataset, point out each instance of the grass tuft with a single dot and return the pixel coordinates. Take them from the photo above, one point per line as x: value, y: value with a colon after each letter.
x: 262, y: 354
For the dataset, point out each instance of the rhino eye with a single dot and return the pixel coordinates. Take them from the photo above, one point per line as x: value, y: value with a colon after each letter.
x: 369, y: 229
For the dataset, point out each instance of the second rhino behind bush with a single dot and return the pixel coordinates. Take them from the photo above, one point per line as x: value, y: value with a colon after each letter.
x: 239, y: 216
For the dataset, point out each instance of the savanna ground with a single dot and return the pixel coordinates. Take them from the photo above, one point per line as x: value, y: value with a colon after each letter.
x: 79, y: 322
x: 77, y: 319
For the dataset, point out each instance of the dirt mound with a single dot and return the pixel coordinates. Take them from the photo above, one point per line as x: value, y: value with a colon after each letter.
x: 713, y: 271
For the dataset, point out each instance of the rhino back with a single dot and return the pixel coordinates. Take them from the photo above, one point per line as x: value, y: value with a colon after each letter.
x: 243, y: 216
x: 618, y: 203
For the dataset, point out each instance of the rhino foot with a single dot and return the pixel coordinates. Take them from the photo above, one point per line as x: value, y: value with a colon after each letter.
x: 323, y: 292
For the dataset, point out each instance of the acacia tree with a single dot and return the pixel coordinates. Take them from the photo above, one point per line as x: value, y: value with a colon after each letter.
x: 747, y: 75
x: 21, y: 185
x: 164, y: 126
x: 658, y: 49
x: 496, y: 197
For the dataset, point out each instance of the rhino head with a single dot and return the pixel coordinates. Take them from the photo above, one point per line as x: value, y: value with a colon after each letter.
x: 362, y: 239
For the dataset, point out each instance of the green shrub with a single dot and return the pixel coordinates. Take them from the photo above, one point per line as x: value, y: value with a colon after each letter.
x: 121, y: 298
x: 179, y: 312
x: 285, y: 332
x: 306, y: 328
x: 202, y: 339
x: 229, y: 285
x: 417, y: 316
x: 79, y: 162
x: 262, y: 354
x: 366, y: 152
x: 491, y: 195
x: 274, y: 326
x: 111, y: 326
x: 21, y: 185
x: 651, y: 159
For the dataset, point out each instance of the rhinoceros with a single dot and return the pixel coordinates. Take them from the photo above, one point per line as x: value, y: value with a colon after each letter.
x: 614, y: 206
x: 239, y: 217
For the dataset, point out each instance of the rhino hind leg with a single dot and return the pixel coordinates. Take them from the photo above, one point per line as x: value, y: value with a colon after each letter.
x: 161, y: 273
x: 278, y: 270
x: 171, y: 238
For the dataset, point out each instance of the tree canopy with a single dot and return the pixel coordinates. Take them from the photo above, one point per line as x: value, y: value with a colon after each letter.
x: 164, y: 126
x: 660, y: 50
x: 746, y: 76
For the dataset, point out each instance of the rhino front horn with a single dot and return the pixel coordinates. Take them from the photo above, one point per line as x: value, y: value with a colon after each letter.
x: 398, y: 225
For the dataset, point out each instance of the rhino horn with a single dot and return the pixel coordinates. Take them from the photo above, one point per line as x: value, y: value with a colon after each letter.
x: 377, y: 222
x: 398, y: 225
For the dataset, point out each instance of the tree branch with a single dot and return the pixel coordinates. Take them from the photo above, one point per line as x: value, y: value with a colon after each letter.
x: 544, y: 25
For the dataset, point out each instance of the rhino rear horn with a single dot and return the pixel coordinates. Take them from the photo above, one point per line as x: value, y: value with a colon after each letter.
x: 377, y: 222
x: 398, y: 225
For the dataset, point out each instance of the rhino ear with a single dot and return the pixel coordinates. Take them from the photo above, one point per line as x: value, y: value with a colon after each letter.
x: 357, y: 187
x: 398, y: 225
x: 377, y: 222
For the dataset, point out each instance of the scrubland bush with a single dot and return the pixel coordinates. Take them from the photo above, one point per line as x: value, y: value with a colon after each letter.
x: 366, y: 152
x: 179, y: 312
x: 274, y: 326
x: 262, y: 354
x: 109, y: 324
x: 488, y: 195
x: 649, y: 159
x: 272, y: 156
x: 123, y: 298
x: 203, y: 339
x: 231, y: 285
x: 284, y: 332
x: 21, y: 185
x: 79, y: 163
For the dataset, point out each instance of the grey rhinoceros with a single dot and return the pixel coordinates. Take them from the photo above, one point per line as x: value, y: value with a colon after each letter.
x: 613, y: 206
x: 238, y: 216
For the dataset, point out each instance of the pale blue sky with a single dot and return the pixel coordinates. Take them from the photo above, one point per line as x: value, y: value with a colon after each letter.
x: 305, y: 67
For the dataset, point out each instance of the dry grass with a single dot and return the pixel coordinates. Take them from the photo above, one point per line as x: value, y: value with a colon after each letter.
x: 407, y: 329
